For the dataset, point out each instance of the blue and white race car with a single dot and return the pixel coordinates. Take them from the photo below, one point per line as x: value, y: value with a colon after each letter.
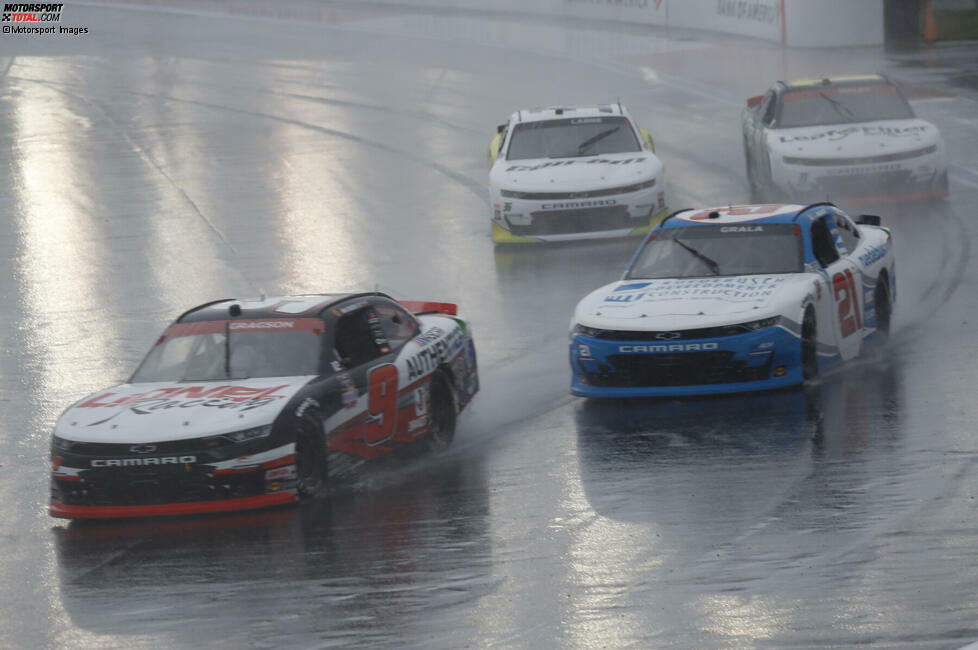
x: 735, y: 299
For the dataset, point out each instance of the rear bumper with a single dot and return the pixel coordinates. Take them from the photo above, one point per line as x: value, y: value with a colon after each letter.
x: 171, y: 509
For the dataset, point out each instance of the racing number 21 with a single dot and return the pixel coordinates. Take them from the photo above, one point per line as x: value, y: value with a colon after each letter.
x: 849, y: 318
x: 381, y: 404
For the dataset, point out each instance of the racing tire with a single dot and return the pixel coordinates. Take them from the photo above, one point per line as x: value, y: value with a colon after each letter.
x: 884, y: 310
x: 809, y: 346
x: 443, y: 412
x: 310, y: 457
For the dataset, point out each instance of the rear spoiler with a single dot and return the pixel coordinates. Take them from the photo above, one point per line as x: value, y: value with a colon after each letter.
x: 424, y: 307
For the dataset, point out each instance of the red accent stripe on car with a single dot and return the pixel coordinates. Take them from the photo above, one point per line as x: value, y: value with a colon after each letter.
x: 894, y: 198
x: 279, y: 462
x: 236, y: 470
x: 169, y: 509
x: 423, y: 307
x: 67, y: 477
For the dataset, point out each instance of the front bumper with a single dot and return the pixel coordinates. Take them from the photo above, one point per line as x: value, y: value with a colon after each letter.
x: 519, y: 221
x: 170, y: 509
x: 764, y: 359
x: 88, y: 483
x: 874, y: 183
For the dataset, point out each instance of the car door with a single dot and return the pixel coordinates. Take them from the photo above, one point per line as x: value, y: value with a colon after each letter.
x: 400, y: 328
x: 366, y: 357
x: 844, y: 281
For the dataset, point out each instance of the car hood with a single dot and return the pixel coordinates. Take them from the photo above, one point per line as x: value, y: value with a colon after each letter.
x: 687, y: 303
x: 575, y: 174
x: 862, y: 139
x: 157, y: 412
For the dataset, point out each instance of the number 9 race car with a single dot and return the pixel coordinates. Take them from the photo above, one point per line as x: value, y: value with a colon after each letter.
x: 854, y: 138
x: 585, y: 172
x: 246, y: 404
x: 736, y: 299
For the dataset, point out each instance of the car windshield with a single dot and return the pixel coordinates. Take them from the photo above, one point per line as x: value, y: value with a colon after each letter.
x: 842, y: 105
x: 204, y: 351
x: 571, y: 138
x: 697, y: 251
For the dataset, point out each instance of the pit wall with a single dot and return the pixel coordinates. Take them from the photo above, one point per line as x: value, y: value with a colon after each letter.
x: 801, y: 23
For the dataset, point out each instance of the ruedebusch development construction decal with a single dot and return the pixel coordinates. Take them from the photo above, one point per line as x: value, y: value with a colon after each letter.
x: 733, y: 289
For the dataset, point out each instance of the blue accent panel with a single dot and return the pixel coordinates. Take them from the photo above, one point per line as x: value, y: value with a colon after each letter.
x: 775, y: 346
x: 633, y: 286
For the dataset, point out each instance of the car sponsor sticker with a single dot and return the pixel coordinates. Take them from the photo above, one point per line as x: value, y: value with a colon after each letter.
x: 833, y: 135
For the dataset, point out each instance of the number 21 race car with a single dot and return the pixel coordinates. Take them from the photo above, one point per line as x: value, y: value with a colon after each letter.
x: 247, y: 404
x: 736, y: 299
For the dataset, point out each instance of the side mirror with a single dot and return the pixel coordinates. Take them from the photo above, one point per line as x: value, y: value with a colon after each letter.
x: 500, y: 128
x: 752, y: 102
x: 868, y: 220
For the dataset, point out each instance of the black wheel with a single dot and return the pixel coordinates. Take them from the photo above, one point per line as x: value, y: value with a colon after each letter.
x: 310, y: 456
x: 442, y: 411
x: 884, y: 309
x: 809, y: 346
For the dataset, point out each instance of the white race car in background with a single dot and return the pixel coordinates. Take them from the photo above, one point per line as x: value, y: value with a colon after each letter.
x: 841, y: 138
x: 583, y: 172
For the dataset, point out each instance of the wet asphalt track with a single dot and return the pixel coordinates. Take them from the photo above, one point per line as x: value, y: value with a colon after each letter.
x: 168, y: 159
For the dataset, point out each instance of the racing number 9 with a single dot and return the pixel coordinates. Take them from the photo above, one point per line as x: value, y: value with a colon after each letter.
x: 381, y: 404
x: 849, y: 318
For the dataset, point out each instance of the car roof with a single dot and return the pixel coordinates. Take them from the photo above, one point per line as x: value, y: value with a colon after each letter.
x: 309, y: 305
x: 558, y: 112
x: 740, y: 214
x: 845, y: 80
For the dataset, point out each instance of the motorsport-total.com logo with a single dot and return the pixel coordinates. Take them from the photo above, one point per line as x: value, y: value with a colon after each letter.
x: 31, y: 13
x: 23, y: 18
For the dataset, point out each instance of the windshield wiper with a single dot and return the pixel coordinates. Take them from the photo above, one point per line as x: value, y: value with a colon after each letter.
x: 840, y: 108
x: 710, y: 262
x: 594, y: 139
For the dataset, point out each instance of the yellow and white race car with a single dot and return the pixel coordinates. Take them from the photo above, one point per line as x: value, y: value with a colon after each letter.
x: 565, y: 173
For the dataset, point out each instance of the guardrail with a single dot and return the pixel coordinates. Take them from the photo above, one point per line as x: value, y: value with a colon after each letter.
x: 802, y: 23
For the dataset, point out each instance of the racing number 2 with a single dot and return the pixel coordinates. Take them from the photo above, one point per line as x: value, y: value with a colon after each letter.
x: 849, y: 318
x: 381, y: 404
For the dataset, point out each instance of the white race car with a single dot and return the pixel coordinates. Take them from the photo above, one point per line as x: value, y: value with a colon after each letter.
x: 563, y: 173
x: 841, y: 138
x: 736, y: 299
